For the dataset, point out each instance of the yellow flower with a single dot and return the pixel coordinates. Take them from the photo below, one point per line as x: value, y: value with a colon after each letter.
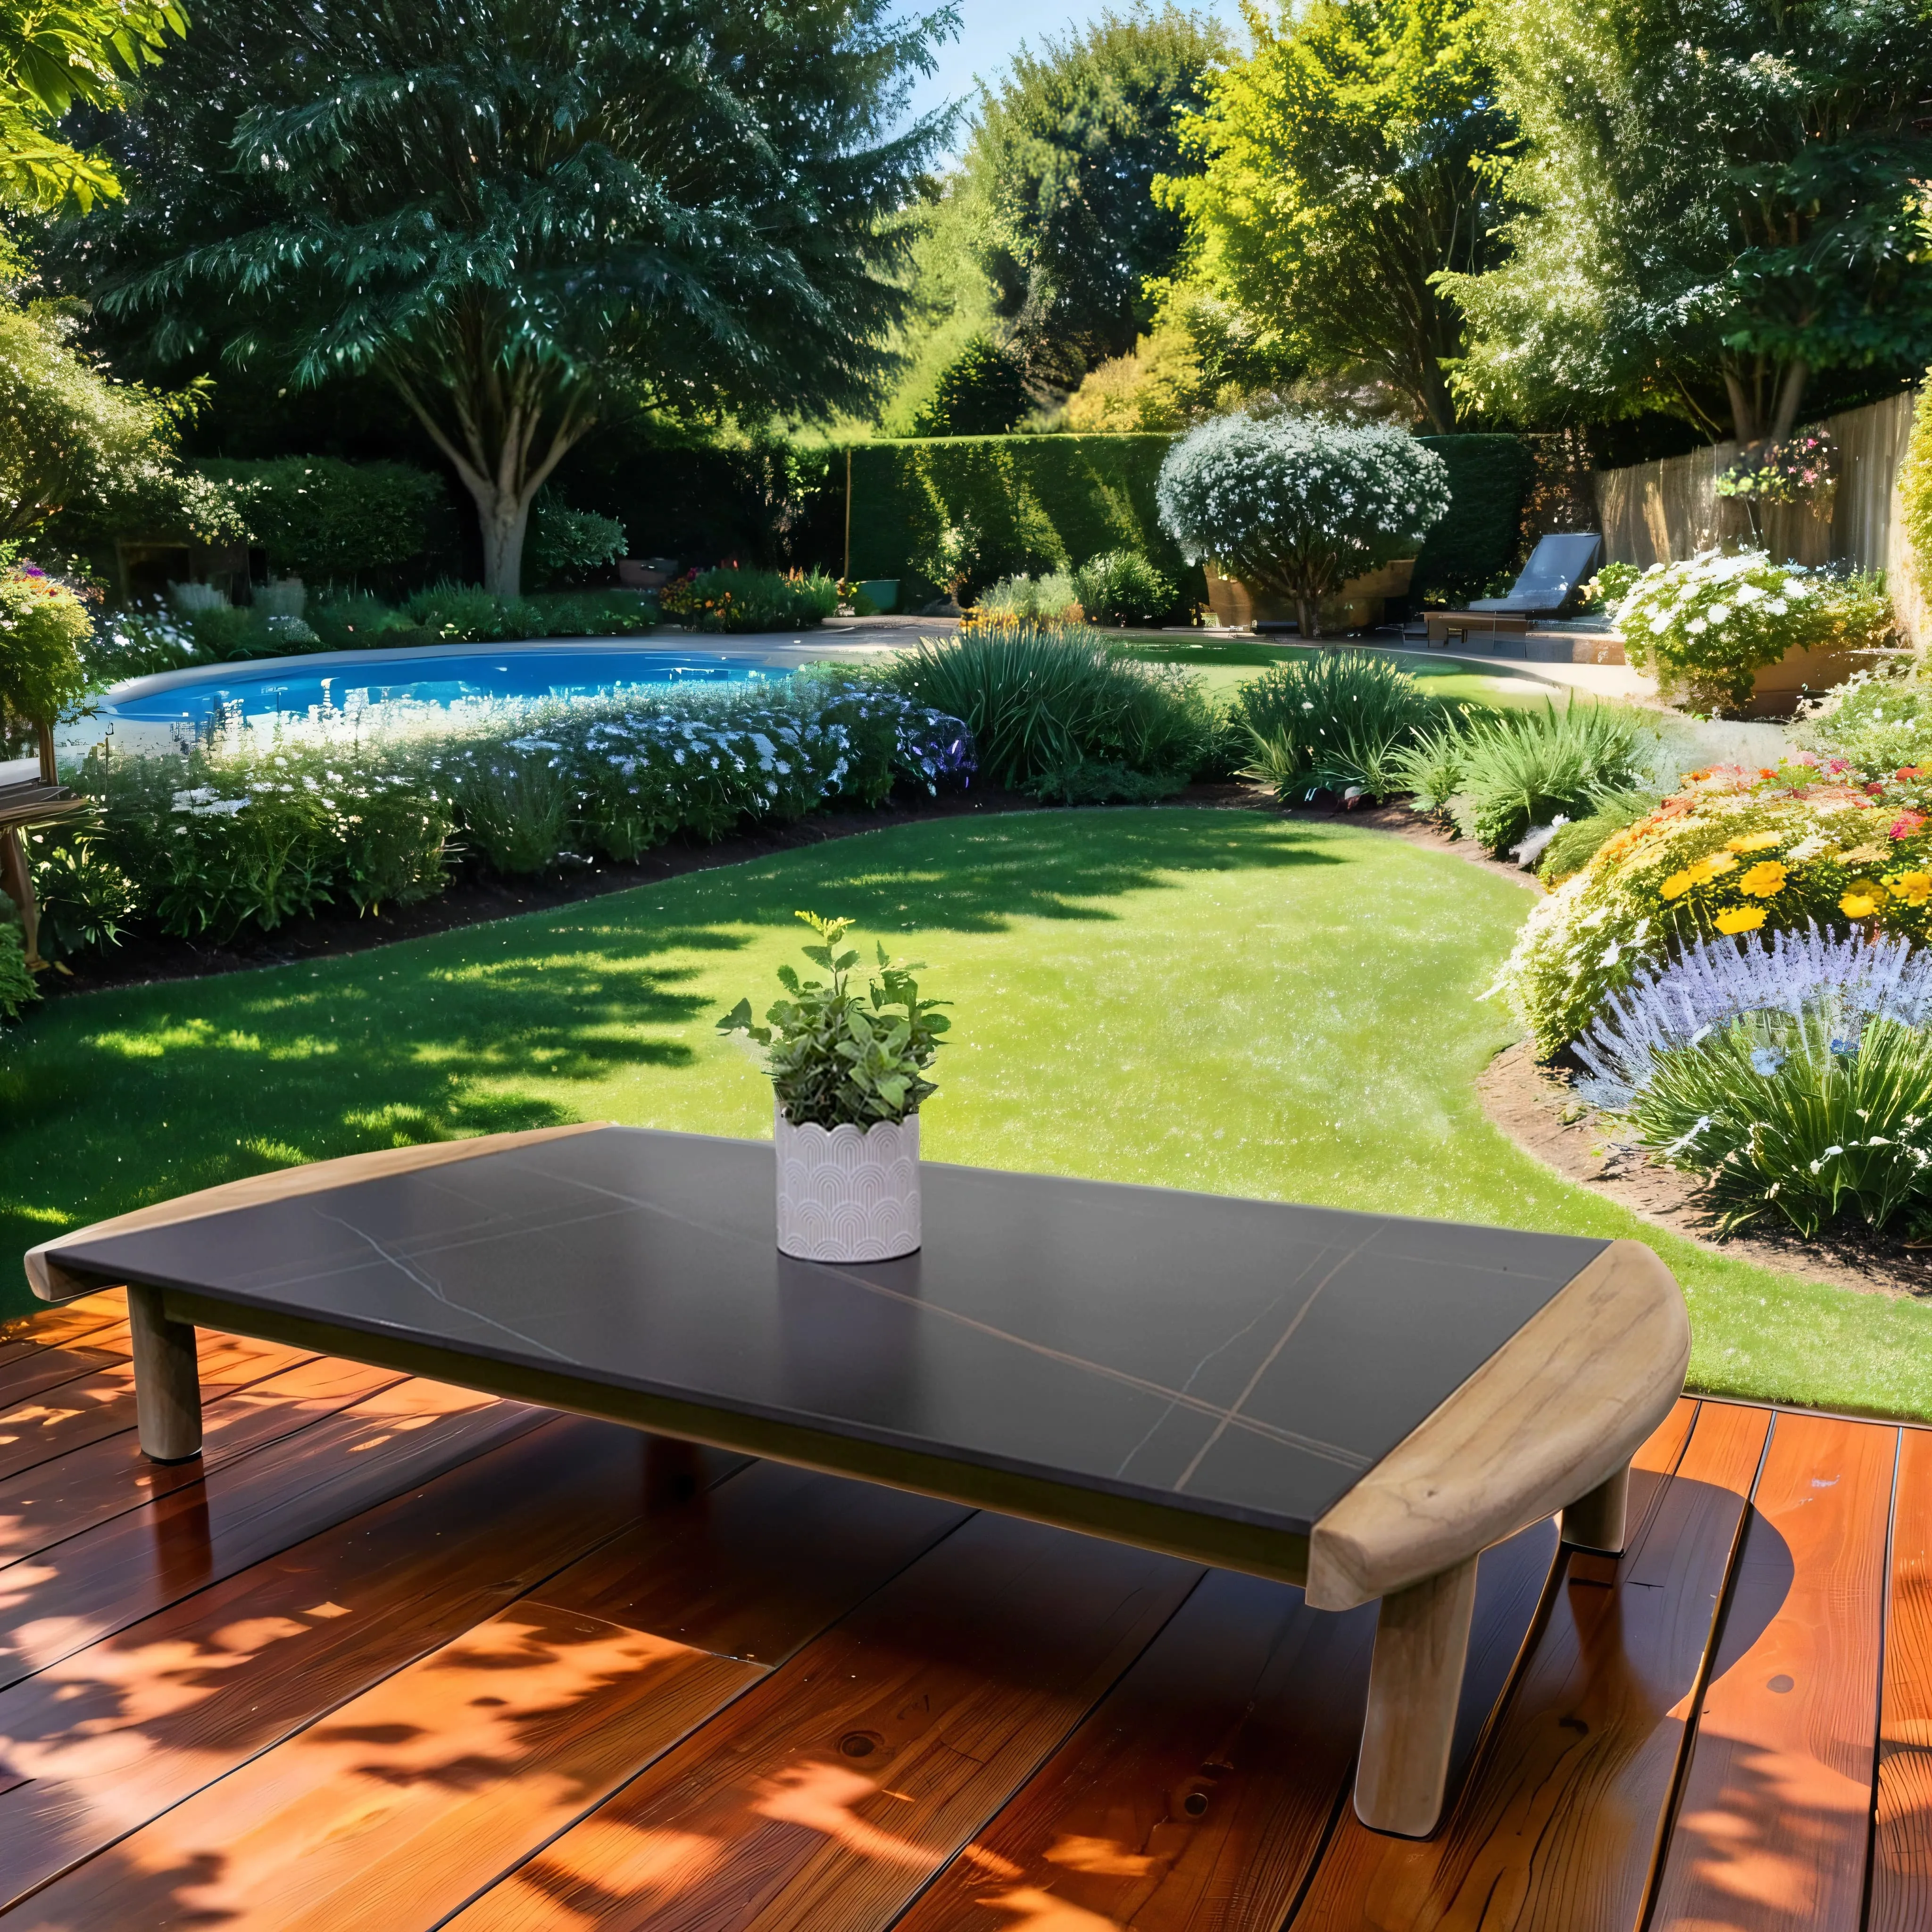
x: 1914, y: 888
x: 1678, y: 883
x: 1857, y: 904
x: 1718, y: 862
x: 1757, y: 841
x: 1741, y: 918
x: 1765, y: 880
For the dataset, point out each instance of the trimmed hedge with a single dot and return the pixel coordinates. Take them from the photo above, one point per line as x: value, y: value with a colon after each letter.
x: 327, y: 521
x: 1039, y: 503
x: 1489, y: 476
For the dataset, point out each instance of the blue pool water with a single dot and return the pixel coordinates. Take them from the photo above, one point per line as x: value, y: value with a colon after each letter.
x: 295, y: 687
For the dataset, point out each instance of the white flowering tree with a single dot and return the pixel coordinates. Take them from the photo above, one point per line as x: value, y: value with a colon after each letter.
x: 1298, y: 505
x: 1708, y: 624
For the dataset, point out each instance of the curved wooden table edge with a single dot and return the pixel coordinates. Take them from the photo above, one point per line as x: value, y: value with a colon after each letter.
x: 51, y: 1282
x: 1555, y: 1414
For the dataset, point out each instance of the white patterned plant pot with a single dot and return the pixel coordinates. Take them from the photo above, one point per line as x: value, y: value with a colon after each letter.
x: 848, y: 1193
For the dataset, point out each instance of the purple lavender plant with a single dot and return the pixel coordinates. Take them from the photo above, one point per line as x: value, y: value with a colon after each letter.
x: 1719, y: 980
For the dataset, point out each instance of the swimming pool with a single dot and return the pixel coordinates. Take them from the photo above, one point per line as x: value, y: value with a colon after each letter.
x: 442, y: 675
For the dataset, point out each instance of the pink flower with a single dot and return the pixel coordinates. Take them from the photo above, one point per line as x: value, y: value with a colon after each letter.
x: 1906, y: 823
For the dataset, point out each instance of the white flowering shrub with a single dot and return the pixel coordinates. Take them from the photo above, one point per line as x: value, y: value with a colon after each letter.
x: 1299, y: 505
x: 1708, y: 624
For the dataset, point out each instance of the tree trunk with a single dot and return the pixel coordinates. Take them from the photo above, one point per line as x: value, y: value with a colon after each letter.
x: 1743, y: 412
x: 505, y: 517
x: 1790, y: 395
x: 1308, y: 615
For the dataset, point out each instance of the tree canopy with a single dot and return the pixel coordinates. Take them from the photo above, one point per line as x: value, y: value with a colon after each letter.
x: 54, y: 53
x: 1718, y: 202
x: 1342, y: 168
x: 517, y: 213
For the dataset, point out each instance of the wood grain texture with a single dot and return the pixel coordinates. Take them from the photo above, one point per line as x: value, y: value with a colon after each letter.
x: 167, y: 1380
x: 827, y: 1795
x: 110, y: 1738
x: 56, y: 1501
x: 1558, y: 1824
x: 20, y: 1334
x: 1554, y: 1412
x: 223, y: 1518
x: 1901, y: 1879
x: 93, y: 1407
x: 36, y: 1370
x: 1415, y: 1689
x: 1772, y: 1829
x: 403, y: 1802
x: 48, y: 1280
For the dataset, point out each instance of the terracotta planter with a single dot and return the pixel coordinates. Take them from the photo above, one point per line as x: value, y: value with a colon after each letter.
x: 1359, y: 605
x: 848, y: 1193
x: 1777, y: 687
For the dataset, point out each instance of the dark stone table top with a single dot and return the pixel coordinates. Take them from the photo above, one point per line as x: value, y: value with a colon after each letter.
x: 1245, y: 1359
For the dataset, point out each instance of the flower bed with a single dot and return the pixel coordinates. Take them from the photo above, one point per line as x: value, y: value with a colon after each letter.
x: 251, y: 831
x: 1736, y: 851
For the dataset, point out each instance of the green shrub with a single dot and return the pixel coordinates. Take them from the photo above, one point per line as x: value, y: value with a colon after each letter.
x: 327, y: 521
x: 44, y: 633
x: 981, y: 392
x: 1813, y: 1117
x: 1121, y: 587
x: 1611, y: 584
x: 86, y: 899
x: 362, y: 620
x: 1332, y: 722
x: 565, y: 542
x: 1877, y: 722
x: 1523, y: 768
x: 750, y: 600
x: 1039, y: 700
x: 1707, y: 626
x: 17, y: 990
x: 1097, y: 782
x: 1579, y: 841
x: 1051, y: 599
x: 1915, y: 487
x: 517, y: 804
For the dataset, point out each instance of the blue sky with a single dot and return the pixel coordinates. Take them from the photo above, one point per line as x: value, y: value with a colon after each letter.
x: 994, y: 30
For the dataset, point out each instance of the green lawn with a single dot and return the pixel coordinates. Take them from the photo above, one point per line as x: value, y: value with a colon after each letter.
x: 1220, y: 1001
x: 1224, y: 666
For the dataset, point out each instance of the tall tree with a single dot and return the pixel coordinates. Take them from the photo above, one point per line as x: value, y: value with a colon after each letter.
x: 1345, y: 165
x: 1720, y: 203
x: 1056, y: 200
x: 54, y: 53
x: 516, y: 212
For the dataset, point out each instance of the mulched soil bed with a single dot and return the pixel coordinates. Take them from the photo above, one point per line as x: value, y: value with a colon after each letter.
x: 1537, y: 1107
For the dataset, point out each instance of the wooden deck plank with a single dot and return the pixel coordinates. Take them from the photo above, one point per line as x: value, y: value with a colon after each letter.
x: 101, y: 1403
x: 57, y: 1500
x: 409, y: 1799
x: 1772, y: 1829
x: 1195, y: 1798
x: 1901, y: 1879
x: 238, y: 1512
x: 113, y: 1735
x: 828, y: 1794
x: 1558, y: 1827
x: 41, y: 1366
x: 41, y: 1328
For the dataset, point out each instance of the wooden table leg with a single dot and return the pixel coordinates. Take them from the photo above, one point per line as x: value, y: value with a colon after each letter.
x: 167, y: 1380
x: 16, y: 880
x: 1596, y: 1521
x: 1415, y: 1682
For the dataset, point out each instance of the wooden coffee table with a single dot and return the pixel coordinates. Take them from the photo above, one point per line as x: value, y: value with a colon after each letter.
x: 1355, y: 1403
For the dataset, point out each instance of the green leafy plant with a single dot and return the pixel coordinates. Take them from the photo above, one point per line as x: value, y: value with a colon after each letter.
x: 17, y: 990
x: 1809, y: 1116
x: 837, y: 1053
x: 44, y: 629
x: 1577, y: 844
x: 1054, y: 598
x: 327, y: 521
x: 1102, y: 782
x: 1038, y: 699
x: 1330, y: 722
x: 1610, y: 586
x: 735, y: 600
x: 565, y: 542
x: 1121, y: 587
x: 1877, y: 721
x: 86, y: 899
x: 1524, y: 768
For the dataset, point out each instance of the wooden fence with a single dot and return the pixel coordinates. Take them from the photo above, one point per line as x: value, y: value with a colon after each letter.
x: 1657, y: 512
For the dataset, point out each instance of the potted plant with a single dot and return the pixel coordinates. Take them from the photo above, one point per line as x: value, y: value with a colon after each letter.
x: 1320, y: 514
x: 847, y: 1066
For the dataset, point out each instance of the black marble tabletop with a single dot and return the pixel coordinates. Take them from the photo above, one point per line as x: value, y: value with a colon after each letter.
x: 1246, y: 1359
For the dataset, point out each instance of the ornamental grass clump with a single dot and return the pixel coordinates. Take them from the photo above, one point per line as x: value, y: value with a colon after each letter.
x: 1816, y: 1117
x: 1519, y: 769
x: 1340, y: 721
x: 1299, y: 505
x: 1734, y: 851
x: 1708, y: 625
x: 839, y: 1053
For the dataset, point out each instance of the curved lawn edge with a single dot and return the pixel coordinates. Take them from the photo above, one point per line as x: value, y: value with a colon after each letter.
x: 1236, y: 1002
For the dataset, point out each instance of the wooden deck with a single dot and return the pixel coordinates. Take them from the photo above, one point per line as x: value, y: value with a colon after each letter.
x: 394, y: 1657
